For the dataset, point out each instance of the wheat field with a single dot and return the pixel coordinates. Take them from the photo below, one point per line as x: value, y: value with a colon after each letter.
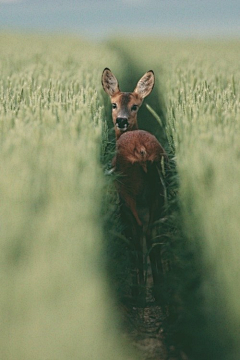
x: 57, y: 301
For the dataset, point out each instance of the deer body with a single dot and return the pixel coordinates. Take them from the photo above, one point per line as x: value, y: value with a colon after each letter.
x: 125, y: 105
x: 141, y: 192
x: 138, y: 163
x: 138, y: 153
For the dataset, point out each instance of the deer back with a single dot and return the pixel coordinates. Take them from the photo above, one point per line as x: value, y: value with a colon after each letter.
x: 138, y: 162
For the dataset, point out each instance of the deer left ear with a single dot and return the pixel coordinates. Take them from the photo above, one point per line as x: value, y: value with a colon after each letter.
x: 109, y: 82
x: 145, y: 84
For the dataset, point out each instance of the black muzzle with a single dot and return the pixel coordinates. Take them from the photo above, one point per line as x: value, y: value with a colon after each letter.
x: 122, y: 123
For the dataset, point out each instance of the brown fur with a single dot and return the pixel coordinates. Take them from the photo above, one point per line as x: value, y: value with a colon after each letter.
x: 136, y: 152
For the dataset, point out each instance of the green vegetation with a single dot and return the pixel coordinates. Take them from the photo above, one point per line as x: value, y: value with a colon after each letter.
x: 55, y: 301
x: 200, y: 84
x: 204, y: 122
x: 57, y: 216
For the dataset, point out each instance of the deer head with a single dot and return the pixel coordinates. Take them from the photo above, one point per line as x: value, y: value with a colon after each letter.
x: 125, y: 105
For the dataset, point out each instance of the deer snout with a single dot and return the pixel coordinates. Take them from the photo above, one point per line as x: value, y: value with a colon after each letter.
x: 122, y: 123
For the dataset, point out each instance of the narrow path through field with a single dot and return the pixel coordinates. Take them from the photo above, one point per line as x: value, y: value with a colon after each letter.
x: 145, y: 325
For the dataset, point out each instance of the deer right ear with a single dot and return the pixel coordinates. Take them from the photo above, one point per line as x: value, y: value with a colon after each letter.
x: 109, y: 82
x: 145, y: 84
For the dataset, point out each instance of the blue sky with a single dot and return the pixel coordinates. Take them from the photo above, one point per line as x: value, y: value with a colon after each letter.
x: 105, y: 18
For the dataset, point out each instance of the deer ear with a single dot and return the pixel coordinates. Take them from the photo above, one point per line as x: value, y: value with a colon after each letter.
x: 145, y: 84
x: 109, y: 82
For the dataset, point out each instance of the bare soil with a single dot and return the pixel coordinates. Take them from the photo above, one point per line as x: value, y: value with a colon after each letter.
x: 146, y: 330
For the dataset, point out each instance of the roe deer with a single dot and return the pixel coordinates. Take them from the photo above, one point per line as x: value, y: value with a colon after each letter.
x: 142, y: 195
x: 125, y: 105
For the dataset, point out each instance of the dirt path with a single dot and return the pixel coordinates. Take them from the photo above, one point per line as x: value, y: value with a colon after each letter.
x: 145, y: 330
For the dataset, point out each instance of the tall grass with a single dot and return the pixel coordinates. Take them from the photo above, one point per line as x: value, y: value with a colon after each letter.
x: 200, y: 81
x: 204, y: 118
x: 55, y: 301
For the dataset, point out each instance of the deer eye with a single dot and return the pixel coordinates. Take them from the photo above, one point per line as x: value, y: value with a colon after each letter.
x: 134, y: 108
x: 114, y: 106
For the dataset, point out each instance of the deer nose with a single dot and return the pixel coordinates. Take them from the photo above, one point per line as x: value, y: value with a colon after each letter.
x: 122, y: 123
